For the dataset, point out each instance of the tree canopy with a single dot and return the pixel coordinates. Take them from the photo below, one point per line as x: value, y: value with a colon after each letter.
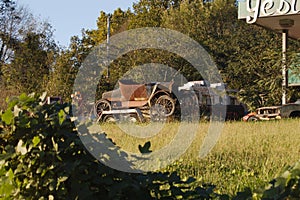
x: 248, y: 56
x: 27, y: 50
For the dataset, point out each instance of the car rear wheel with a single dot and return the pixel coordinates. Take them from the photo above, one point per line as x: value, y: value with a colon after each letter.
x: 252, y: 119
x: 167, y: 104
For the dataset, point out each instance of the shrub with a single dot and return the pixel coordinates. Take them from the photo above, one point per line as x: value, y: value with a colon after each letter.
x: 42, y: 157
x: 286, y: 186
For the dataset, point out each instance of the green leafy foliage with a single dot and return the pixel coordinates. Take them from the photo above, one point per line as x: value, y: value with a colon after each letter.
x: 7, y: 117
x: 29, y: 70
x: 43, y: 157
x: 247, y: 62
x: 286, y: 186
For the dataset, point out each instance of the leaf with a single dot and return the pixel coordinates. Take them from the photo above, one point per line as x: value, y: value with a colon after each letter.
x: 145, y: 148
x: 61, y: 117
x: 7, y: 117
x: 23, y: 97
x: 10, y: 174
x: 63, y: 178
x: 246, y: 194
x: 7, y: 187
x: 43, y: 96
x: 20, y: 148
x: 12, y: 103
x: 67, y: 109
x: 55, y: 145
x: 39, y: 170
x: 17, y: 110
x: 35, y: 141
x: 190, y: 180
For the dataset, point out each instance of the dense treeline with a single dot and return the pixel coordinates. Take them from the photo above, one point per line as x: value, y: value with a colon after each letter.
x: 248, y: 56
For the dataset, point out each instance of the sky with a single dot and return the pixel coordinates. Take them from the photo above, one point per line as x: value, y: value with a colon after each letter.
x: 69, y: 17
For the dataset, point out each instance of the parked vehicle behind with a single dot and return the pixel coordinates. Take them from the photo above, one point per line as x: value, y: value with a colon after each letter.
x: 291, y: 110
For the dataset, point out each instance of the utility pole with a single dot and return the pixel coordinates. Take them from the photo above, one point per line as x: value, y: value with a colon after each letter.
x: 107, y: 44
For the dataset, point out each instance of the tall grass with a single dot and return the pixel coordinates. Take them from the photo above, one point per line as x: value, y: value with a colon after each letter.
x: 246, y: 154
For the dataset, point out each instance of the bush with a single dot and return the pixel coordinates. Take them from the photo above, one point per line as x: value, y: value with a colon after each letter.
x: 286, y: 186
x: 42, y: 157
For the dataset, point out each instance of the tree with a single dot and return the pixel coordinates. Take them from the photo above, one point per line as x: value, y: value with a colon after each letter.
x: 255, y: 65
x: 7, y: 8
x: 247, y: 56
x: 246, y: 62
x: 118, y: 23
x: 65, y: 69
x: 149, y: 13
x: 29, y: 69
x: 15, y: 23
x: 27, y: 49
x: 210, y: 23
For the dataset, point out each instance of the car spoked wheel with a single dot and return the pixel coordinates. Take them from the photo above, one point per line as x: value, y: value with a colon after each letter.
x: 100, y: 106
x: 166, y: 105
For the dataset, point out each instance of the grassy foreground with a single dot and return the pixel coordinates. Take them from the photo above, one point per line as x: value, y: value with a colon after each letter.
x: 245, y: 155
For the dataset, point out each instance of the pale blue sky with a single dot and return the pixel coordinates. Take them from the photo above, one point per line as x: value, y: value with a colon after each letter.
x: 69, y: 17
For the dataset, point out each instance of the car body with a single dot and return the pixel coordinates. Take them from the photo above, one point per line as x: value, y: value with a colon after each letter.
x: 264, y: 113
x: 291, y: 110
x: 131, y: 99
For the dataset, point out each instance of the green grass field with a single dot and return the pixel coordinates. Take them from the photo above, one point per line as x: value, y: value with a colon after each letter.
x: 246, y: 154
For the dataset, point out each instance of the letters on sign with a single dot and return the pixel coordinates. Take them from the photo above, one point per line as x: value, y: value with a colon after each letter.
x: 270, y: 7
